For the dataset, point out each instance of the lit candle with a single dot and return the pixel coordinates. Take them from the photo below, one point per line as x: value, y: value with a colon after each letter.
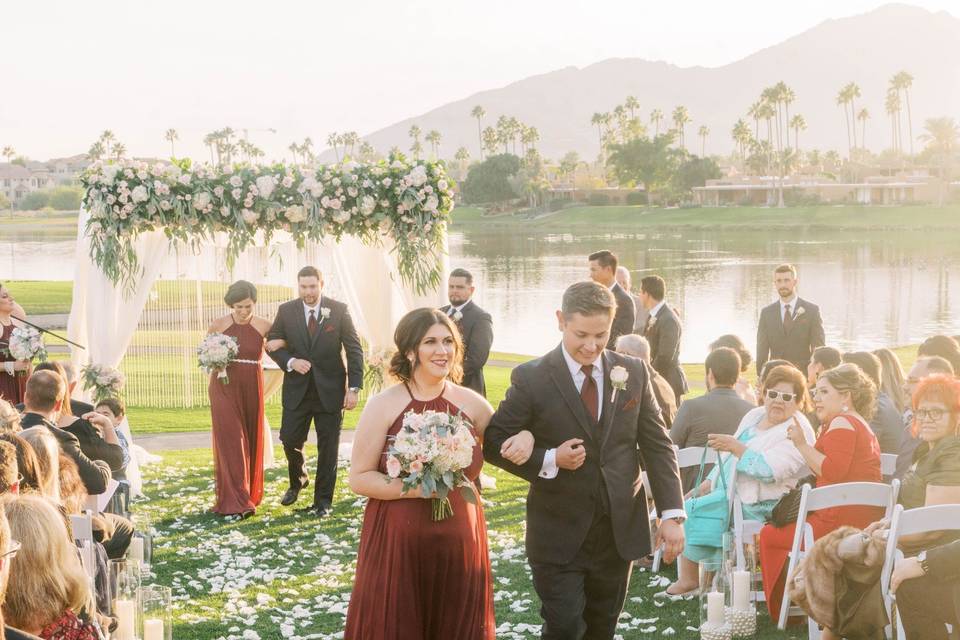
x: 741, y: 590
x: 152, y: 629
x: 135, y: 551
x: 126, y: 611
x: 715, y: 615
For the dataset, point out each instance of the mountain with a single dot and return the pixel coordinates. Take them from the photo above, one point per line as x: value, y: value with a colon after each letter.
x: 867, y: 49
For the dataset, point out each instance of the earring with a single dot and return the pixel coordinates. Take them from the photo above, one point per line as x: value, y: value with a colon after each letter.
x: 844, y: 408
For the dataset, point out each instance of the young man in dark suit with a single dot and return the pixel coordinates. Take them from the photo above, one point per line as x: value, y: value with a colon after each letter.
x: 663, y: 332
x: 603, y: 270
x: 475, y: 325
x: 315, y: 330
x: 594, y: 419
x: 790, y: 328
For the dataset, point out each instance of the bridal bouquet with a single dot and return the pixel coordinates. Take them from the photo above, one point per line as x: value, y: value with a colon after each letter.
x: 215, y: 353
x: 431, y: 452
x: 102, y: 381
x: 26, y: 343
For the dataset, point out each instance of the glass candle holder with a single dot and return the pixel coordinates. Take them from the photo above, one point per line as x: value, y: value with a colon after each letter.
x: 124, y: 586
x: 714, y: 600
x: 157, y: 604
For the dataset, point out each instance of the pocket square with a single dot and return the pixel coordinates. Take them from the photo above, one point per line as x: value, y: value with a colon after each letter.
x: 329, y: 328
x: 631, y: 403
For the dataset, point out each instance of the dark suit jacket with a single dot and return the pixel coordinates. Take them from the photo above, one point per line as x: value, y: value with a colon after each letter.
x: 77, y: 407
x: 476, y: 329
x: 665, y: 396
x: 887, y: 424
x: 335, y: 335
x: 9, y: 633
x: 625, y: 316
x: 805, y: 335
x: 94, y: 473
x: 543, y: 398
x: 664, y: 338
x: 95, y: 447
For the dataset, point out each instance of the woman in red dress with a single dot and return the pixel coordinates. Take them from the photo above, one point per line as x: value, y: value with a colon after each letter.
x: 237, y: 407
x: 13, y: 373
x: 846, y: 451
x: 418, y: 579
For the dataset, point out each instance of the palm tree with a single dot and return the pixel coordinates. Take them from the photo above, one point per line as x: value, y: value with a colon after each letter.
x: 333, y: 140
x: 513, y: 131
x: 350, y: 139
x: 171, y: 136
x: 814, y: 160
x: 632, y: 105
x: 843, y: 99
x: 787, y: 97
x: 892, y: 106
x: 862, y: 116
x: 798, y: 123
x: 853, y: 91
x: 904, y: 81
x: 416, y: 147
x: 108, y: 139
x: 367, y: 152
x: 529, y: 138
x: 478, y: 112
x: 656, y: 117
x: 942, y: 138
x: 620, y: 115
x: 680, y: 118
x: 9, y: 152
x: 294, y: 149
x: 741, y: 136
x: 461, y: 156
x: 433, y: 138
x: 119, y: 150
x: 832, y: 159
x: 754, y: 112
x: 597, y: 120
x: 209, y: 140
x: 306, y: 149
x: 491, y: 140
x: 703, y: 132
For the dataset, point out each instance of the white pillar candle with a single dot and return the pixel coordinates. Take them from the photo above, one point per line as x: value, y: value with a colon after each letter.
x: 152, y: 629
x: 126, y: 612
x: 715, y: 614
x: 741, y: 590
x: 135, y: 550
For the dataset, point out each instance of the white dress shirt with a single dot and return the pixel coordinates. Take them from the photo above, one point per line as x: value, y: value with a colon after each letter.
x: 656, y: 308
x: 793, y: 307
x: 453, y: 310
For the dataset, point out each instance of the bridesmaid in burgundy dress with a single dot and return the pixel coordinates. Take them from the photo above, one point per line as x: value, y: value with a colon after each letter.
x: 416, y: 578
x: 237, y: 407
x: 13, y: 374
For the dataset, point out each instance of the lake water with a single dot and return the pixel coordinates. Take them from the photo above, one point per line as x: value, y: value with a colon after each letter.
x: 874, y: 288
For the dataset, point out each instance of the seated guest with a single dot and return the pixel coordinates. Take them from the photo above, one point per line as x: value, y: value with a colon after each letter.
x: 9, y: 418
x: 893, y: 377
x: 845, y: 451
x: 638, y: 347
x: 8, y: 552
x: 743, y: 387
x: 9, y: 473
x: 28, y: 466
x: 926, y: 588
x: 73, y: 497
x: 51, y: 597
x: 765, y: 370
x: 943, y: 346
x: 114, y: 411
x: 641, y: 315
x: 886, y: 422
x: 47, y: 452
x: 823, y: 358
x: 69, y: 372
x: 926, y: 366
x: 718, y: 411
x: 767, y: 463
x: 42, y: 401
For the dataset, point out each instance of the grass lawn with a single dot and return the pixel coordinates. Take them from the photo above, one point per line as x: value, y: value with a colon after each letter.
x: 623, y: 217
x: 282, y: 575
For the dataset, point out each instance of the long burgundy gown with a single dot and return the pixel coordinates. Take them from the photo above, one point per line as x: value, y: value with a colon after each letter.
x: 418, y: 579
x: 237, y: 412
x: 11, y: 386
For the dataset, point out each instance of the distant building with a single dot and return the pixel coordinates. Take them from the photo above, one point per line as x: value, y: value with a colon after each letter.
x: 16, y: 181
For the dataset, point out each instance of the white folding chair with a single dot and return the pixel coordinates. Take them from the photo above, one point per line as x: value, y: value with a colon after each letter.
x: 867, y: 494
x: 941, y: 517
x: 82, y: 526
x: 744, y: 532
x: 888, y: 464
x: 686, y: 458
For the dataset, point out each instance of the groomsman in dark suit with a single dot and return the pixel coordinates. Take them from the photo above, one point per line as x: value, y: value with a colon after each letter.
x: 790, y: 328
x: 594, y: 418
x: 603, y: 270
x: 317, y: 387
x: 475, y: 325
x: 663, y: 332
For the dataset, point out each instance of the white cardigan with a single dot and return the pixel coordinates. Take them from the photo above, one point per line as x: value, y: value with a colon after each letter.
x: 780, y: 454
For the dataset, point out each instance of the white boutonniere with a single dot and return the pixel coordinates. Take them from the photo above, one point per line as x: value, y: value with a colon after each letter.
x: 800, y: 312
x: 325, y: 312
x: 653, y: 321
x: 618, y: 380
x: 457, y: 316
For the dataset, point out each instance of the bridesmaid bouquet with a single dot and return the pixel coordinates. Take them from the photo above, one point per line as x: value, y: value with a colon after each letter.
x: 215, y: 353
x: 431, y: 452
x: 102, y: 381
x: 26, y: 343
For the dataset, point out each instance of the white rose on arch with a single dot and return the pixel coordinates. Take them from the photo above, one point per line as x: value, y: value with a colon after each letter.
x: 139, y: 194
x: 266, y: 185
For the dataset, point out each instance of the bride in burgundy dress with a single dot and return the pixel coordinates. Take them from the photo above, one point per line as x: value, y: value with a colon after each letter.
x: 418, y: 579
x: 13, y: 373
x: 237, y: 407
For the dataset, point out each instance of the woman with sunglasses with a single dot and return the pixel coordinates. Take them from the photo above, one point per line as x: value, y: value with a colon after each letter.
x: 845, y: 451
x: 766, y: 462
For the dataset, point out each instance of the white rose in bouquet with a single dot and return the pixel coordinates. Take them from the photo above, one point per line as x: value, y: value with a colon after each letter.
x: 139, y: 194
x: 202, y: 200
x: 295, y: 213
x: 266, y: 185
x: 215, y: 353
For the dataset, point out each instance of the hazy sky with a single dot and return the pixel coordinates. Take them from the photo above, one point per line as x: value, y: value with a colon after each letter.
x: 71, y: 69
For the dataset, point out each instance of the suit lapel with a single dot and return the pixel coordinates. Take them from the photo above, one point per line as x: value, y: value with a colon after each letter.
x: 564, y: 381
x: 301, y: 323
x: 607, y: 413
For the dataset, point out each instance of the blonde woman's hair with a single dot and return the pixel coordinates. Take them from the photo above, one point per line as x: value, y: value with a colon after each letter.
x: 48, y: 455
x: 46, y: 576
x: 9, y: 418
x: 850, y: 378
x: 892, y: 377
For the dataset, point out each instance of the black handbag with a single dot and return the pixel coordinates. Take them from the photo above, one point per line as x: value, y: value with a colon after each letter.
x: 788, y: 507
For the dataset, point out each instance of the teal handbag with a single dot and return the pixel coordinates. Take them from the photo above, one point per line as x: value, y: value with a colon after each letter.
x: 708, y: 517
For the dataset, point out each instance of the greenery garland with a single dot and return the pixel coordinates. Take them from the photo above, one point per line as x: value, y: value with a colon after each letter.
x: 409, y: 201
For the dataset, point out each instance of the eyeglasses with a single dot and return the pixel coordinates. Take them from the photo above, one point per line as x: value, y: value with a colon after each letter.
x: 928, y: 415
x: 773, y: 394
x: 11, y: 550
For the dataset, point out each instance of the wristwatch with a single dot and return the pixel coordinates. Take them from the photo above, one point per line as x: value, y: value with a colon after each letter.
x: 924, y: 565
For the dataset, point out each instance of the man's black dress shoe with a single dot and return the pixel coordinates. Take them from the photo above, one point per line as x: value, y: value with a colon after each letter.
x: 292, y: 494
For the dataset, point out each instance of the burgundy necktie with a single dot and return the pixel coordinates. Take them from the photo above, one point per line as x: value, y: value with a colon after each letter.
x: 787, y: 318
x: 312, y: 324
x: 588, y: 392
